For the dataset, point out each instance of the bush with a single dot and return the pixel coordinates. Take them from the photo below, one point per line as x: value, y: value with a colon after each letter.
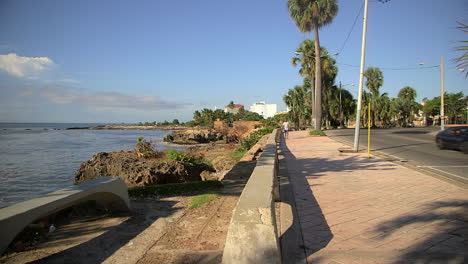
x: 317, y: 132
x: 254, y: 137
x: 188, y: 159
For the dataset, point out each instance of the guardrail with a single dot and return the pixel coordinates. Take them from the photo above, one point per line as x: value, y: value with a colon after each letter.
x: 252, y: 234
x: 110, y: 192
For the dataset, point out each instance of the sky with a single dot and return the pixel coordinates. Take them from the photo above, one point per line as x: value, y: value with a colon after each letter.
x: 153, y: 60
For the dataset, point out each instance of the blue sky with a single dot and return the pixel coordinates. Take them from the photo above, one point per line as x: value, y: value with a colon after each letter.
x: 131, y: 61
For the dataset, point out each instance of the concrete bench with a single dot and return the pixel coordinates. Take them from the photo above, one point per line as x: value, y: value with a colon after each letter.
x: 110, y: 192
x: 252, y: 235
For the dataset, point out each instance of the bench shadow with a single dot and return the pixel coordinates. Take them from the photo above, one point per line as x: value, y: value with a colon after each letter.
x: 448, y: 223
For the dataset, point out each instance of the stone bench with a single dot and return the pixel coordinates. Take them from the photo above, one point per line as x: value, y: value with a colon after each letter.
x: 107, y: 191
x: 252, y: 234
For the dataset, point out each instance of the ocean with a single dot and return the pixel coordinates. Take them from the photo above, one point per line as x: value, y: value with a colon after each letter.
x: 38, y: 158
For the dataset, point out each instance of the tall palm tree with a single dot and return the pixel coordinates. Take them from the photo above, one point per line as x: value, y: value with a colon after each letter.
x: 305, y: 57
x: 308, y: 15
x: 374, y: 80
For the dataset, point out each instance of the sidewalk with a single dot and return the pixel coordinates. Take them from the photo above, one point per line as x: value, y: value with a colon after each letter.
x: 357, y: 210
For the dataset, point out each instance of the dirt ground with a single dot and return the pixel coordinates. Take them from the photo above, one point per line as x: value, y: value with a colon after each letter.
x: 158, y: 230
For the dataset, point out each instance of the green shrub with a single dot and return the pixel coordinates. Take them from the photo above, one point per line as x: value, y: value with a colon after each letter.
x: 254, y: 137
x: 238, y: 153
x: 174, y: 189
x: 188, y: 159
x: 317, y: 132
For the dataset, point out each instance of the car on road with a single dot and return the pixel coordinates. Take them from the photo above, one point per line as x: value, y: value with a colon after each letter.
x: 455, y: 137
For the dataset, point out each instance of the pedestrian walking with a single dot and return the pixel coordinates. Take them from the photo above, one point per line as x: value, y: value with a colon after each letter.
x: 286, y: 128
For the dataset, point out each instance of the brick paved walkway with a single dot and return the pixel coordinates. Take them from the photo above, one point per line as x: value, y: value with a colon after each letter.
x: 358, y: 210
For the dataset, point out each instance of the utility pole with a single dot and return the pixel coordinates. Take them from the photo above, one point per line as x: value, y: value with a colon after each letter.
x: 361, y: 77
x: 442, y: 94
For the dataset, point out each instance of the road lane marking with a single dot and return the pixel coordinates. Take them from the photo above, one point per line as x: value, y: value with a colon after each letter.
x: 442, y: 166
x: 448, y: 173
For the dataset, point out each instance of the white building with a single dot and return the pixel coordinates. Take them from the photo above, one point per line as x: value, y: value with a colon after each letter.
x: 264, y: 109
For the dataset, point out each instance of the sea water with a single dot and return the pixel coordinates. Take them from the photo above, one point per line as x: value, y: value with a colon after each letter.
x: 38, y: 158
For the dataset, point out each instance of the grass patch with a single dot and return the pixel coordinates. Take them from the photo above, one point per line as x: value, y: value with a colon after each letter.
x: 202, y: 199
x: 238, y: 153
x: 317, y: 132
x: 174, y: 189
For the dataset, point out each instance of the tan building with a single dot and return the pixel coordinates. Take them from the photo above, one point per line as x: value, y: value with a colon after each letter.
x: 233, y: 108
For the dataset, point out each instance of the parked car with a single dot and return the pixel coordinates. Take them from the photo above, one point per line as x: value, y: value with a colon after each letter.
x: 453, y: 138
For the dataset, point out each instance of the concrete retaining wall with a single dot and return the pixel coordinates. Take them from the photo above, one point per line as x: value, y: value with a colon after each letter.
x: 110, y: 192
x: 252, y: 235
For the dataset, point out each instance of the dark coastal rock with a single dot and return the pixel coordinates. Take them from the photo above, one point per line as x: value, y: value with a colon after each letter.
x: 136, y: 171
x: 194, y: 137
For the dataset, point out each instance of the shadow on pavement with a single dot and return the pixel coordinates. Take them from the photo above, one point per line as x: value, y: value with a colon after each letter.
x: 306, y: 213
x: 448, y: 244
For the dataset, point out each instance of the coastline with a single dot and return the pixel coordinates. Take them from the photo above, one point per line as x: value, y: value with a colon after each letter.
x: 133, y: 127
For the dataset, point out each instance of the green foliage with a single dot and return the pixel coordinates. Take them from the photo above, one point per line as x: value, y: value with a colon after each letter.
x: 455, y: 107
x: 187, y: 159
x: 248, y: 142
x: 202, y: 199
x: 144, y: 149
x: 316, y: 132
x: 174, y: 189
x: 206, y: 117
x: 238, y: 153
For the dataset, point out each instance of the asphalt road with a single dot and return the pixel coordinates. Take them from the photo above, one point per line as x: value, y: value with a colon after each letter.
x: 414, y: 147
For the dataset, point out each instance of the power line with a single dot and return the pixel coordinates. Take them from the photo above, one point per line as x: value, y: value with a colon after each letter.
x: 393, y: 69
x: 350, y: 31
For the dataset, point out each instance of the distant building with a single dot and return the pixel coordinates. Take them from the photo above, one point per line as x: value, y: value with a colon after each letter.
x: 264, y: 109
x: 233, y: 108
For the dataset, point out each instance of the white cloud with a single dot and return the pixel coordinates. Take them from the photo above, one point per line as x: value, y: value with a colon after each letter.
x: 66, y: 95
x: 24, y: 67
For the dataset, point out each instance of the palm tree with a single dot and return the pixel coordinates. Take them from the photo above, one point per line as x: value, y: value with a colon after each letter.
x: 299, y: 113
x: 462, y: 60
x: 405, y: 105
x: 308, y: 15
x: 374, y: 80
x: 306, y: 59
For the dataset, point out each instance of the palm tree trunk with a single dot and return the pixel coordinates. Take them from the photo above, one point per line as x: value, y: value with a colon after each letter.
x: 312, y: 93
x: 318, y: 81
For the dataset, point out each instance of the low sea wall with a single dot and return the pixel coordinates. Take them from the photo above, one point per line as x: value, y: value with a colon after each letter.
x: 110, y: 192
x: 252, y: 235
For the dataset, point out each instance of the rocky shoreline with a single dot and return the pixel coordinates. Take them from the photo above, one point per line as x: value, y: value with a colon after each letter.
x: 132, y: 127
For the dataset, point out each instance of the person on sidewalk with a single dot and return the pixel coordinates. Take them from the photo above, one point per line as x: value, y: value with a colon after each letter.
x: 286, y: 128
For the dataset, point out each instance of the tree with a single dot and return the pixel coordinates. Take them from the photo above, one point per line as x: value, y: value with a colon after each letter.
x: 405, y: 106
x: 295, y: 99
x: 306, y: 58
x: 308, y: 15
x: 374, y: 80
x: 455, y: 107
x: 175, y: 122
x: 462, y: 61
